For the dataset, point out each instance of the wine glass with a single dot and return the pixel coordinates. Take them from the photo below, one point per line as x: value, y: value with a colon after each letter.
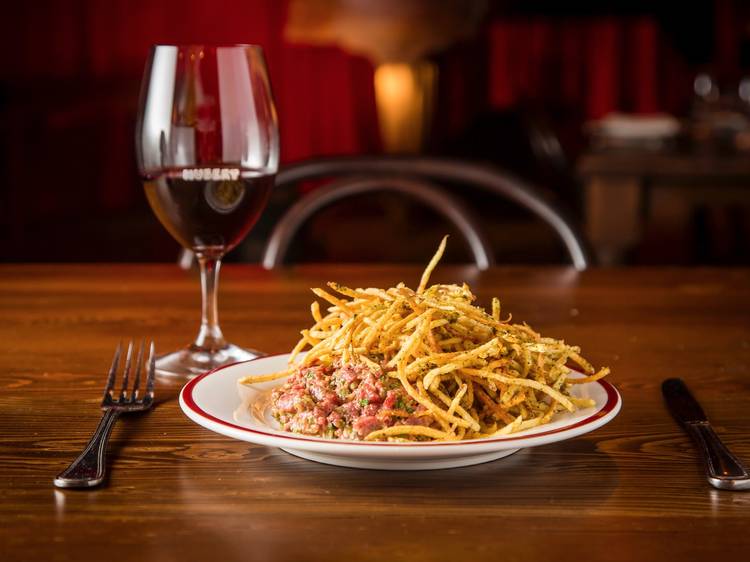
x: 207, y: 144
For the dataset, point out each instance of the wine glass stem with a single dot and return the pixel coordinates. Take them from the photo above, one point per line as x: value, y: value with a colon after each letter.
x: 209, y: 336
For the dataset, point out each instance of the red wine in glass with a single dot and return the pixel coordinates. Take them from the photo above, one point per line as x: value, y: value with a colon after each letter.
x: 205, y: 214
x: 207, y: 144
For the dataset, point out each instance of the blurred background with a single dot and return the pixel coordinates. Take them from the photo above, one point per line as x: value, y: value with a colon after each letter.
x: 635, y: 117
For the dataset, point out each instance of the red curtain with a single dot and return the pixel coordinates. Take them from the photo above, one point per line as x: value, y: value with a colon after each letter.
x: 70, y: 75
x: 325, y: 96
x: 71, y: 69
x: 596, y: 65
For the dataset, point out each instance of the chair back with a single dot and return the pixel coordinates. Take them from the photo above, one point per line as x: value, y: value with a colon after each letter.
x: 414, y: 176
x: 432, y: 196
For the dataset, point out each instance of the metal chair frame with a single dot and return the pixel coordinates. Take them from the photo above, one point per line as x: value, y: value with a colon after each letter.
x: 413, y: 176
x: 432, y: 196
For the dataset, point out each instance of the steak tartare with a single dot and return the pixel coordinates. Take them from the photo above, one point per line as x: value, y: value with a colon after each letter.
x: 344, y: 402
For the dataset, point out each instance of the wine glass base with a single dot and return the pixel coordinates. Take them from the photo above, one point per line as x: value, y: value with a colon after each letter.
x: 193, y: 361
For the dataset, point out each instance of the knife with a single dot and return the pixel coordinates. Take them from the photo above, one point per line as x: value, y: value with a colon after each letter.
x: 723, y: 469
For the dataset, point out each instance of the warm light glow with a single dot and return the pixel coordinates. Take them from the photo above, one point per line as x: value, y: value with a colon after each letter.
x: 403, y: 94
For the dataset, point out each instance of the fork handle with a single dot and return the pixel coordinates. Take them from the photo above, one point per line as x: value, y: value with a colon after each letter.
x: 89, y: 468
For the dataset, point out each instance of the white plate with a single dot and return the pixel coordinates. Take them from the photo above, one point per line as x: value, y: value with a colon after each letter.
x: 213, y: 401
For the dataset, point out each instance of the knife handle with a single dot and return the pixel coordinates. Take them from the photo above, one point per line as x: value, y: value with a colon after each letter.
x: 723, y: 469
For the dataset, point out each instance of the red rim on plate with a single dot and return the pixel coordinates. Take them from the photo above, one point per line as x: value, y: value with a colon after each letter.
x: 187, y: 398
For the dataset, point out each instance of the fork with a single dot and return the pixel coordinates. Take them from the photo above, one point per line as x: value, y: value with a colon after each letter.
x: 89, y: 468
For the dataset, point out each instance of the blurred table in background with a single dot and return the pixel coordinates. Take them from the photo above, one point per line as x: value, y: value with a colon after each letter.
x: 628, y: 192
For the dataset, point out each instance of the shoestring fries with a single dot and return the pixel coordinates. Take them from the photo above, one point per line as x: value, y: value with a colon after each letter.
x: 476, y: 374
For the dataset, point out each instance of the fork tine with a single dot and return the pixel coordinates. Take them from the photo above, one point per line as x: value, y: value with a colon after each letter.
x: 151, y: 371
x: 112, y: 371
x: 126, y: 373
x: 138, y: 368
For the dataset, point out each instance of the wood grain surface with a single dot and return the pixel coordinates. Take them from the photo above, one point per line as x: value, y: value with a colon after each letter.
x: 630, y: 491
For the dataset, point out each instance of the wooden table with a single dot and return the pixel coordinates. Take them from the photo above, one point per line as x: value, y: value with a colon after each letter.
x: 631, y: 491
x: 625, y: 191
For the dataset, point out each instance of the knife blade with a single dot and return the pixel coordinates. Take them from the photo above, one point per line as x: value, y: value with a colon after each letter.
x: 723, y: 470
x: 681, y: 403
